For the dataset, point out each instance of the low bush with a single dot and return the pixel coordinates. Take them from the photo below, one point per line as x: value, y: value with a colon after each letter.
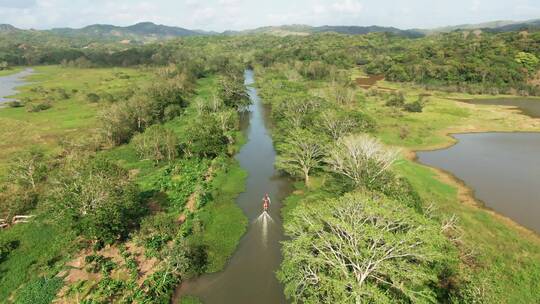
x: 39, y: 291
x: 42, y: 106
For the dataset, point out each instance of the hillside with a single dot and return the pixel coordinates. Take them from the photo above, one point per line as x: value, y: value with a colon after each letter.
x: 303, y: 30
x: 493, y: 26
x: 140, y: 31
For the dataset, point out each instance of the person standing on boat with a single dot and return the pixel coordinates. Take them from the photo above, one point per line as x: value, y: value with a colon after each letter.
x: 266, y: 202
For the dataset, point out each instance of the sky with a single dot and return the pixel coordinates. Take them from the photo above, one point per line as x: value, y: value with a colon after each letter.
x: 220, y: 15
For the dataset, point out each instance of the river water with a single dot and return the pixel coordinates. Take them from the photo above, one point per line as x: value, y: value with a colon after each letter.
x: 249, y: 276
x: 8, y: 84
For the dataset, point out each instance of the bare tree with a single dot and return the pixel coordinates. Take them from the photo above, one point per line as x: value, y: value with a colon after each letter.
x: 361, y: 158
x: 201, y: 105
x: 300, y: 154
x: 227, y: 122
x: 336, y: 125
x: 295, y: 110
x: 342, y: 94
x: 216, y: 103
x: 28, y: 168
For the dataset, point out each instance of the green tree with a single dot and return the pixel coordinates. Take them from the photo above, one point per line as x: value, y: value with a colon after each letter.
x: 204, y: 137
x: 358, y: 249
x: 97, y: 197
x: 233, y: 92
x: 156, y: 143
x: 528, y: 60
x: 300, y: 154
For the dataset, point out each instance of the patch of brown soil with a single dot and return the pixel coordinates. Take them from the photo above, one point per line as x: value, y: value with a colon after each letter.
x: 145, y: 265
x: 368, y: 82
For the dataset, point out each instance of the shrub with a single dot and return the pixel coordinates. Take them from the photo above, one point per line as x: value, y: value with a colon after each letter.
x: 6, y: 247
x: 415, y: 107
x: 396, y: 100
x: 42, y: 106
x: 39, y: 291
x: 98, y: 197
x: 93, y: 97
x: 15, y: 104
x: 156, y: 143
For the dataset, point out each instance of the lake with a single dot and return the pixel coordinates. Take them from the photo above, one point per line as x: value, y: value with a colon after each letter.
x: 8, y: 84
x: 503, y: 169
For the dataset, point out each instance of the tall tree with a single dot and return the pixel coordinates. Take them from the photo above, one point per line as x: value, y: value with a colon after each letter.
x: 357, y: 249
x: 300, y: 154
x: 361, y: 158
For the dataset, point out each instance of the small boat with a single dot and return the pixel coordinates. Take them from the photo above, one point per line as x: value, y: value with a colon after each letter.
x: 266, y: 202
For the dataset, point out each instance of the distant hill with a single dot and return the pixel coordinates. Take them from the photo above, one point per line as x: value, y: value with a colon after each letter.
x: 148, y: 32
x: 301, y: 29
x: 493, y: 26
x: 143, y: 31
x: 7, y: 28
x: 518, y: 26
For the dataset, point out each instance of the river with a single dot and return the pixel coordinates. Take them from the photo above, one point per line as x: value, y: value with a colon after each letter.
x: 502, y: 169
x: 249, y: 276
x: 8, y: 84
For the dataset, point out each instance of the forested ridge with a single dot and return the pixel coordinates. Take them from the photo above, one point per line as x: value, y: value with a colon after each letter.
x: 138, y: 194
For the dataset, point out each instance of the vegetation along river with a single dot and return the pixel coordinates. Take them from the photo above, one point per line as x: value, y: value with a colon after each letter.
x: 249, y: 276
x: 503, y: 169
x: 9, y: 83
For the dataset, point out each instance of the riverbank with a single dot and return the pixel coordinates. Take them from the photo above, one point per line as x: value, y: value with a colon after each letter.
x: 500, y: 256
x: 10, y: 71
x: 250, y: 272
x: 505, y: 251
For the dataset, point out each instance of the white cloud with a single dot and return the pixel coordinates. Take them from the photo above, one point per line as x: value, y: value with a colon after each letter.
x: 347, y: 6
x: 17, y: 3
x: 240, y: 14
x: 475, y: 5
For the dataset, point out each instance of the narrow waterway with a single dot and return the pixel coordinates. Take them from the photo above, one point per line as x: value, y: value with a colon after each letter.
x: 249, y: 277
x: 8, y: 84
x: 503, y: 169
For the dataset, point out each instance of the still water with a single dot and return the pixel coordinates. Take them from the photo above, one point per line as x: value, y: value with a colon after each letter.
x: 529, y: 106
x: 503, y: 169
x: 8, y: 84
x: 249, y: 277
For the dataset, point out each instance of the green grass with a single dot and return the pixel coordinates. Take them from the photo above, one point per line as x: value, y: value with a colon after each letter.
x: 40, y: 245
x: 10, y: 71
x: 72, y: 117
x: 224, y: 221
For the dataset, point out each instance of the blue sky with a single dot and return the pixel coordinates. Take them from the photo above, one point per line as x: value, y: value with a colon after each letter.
x: 242, y: 14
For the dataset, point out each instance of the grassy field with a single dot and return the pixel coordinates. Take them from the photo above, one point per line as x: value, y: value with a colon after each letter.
x: 39, y: 248
x: 10, y: 71
x: 73, y: 116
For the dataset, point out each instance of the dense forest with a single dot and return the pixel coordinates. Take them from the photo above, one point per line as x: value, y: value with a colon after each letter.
x: 142, y: 197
